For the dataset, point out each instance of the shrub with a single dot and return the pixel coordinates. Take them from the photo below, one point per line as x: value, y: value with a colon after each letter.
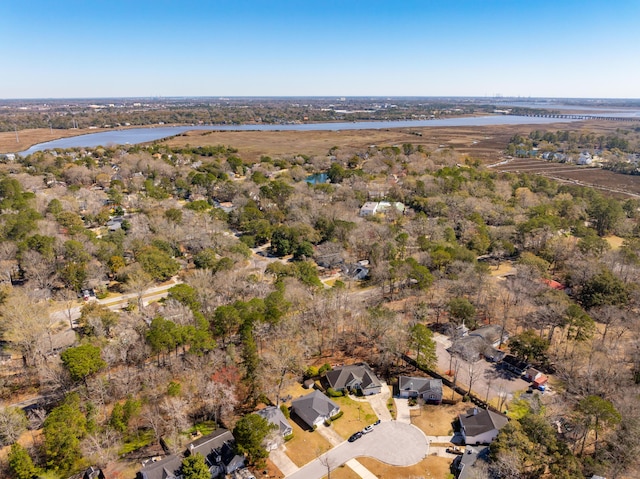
x: 324, y: 368
x: 285, y: 411
x: 288, y: 437
x: 311, y: 372
x: 334, y: 394
x: 337, y: 416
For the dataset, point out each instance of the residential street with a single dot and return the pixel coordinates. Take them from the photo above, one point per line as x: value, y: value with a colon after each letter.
x: 391, y: 442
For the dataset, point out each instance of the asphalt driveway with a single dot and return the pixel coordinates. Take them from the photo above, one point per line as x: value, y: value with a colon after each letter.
x: 391, y: 442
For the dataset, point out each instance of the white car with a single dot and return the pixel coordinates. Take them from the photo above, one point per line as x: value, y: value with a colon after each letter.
x: 367, y: 429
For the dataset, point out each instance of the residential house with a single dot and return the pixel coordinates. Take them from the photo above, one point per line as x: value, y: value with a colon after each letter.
x: 466, y: 465
x: 470, y: 348
x: 217, y: 449
x: 428, y: 389
x: 168, y: 468
x: 314, y: 408
x: 369, y: 208
x: 515, y: 365
x: 481, y: 426
x: 115, y: 223
x: 480, y: 343
x: 493, y: 334
x: 354, y: 378
x: 275, y: 416
x: 93, y: 473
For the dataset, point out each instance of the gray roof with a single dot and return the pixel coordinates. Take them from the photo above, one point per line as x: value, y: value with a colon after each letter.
x: 275, y: 416
x: 470, y: 348
x: 490, y: 333
x: 420, y: 385
x: 312, y: 406
x: 346, y: 376
x: 215, y: 440
x: 167, y: 468
x: 478, y: 421
x: 466, y: 462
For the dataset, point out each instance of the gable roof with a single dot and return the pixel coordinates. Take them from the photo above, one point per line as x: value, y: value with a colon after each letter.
x: 275, y: 416
x: 347, y: 376
x: 215, y: 440
x: 470, y: 348
x: 167, y: 468
x: 490, y: 333
x: 466, y: 462
x: 312, y: 406
x: 420, y: 385
x: 478, y: 421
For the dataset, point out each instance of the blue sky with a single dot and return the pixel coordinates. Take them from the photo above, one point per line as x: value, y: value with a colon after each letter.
x: 111, y: 48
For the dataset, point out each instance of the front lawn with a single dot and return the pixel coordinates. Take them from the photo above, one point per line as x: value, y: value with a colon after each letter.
x: 436, y: 420
x: 357, y: 415
x: 305, y: 445
x: 431, y: 467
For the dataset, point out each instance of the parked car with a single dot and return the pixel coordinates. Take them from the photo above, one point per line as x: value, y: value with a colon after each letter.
x: 355, y: 436
x: 377, y: 422
x: 367, y: 429
x: 454, y: 450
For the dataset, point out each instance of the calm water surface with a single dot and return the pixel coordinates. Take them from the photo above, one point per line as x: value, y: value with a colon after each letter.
x: 142, y: 135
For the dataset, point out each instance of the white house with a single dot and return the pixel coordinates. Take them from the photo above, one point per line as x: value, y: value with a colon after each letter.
x: 481, y: 426
x: 369, y: 208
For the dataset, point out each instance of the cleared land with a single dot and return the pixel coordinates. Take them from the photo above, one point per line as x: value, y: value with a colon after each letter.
x: 615, y: 183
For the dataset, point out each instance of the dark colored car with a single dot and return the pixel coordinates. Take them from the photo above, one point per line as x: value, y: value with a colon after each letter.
x: 355, y: 436
x: 377, y: 422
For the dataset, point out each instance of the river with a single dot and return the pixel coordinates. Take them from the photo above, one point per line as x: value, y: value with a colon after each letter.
x: 142, y: 135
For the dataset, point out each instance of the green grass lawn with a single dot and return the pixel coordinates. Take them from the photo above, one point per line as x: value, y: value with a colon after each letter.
x: 357, y: 414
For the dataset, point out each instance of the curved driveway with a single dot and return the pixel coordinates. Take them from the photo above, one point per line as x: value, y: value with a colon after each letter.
x: 391, y: 442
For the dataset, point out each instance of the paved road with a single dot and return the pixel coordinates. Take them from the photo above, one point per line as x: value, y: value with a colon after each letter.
x: 391, y: 442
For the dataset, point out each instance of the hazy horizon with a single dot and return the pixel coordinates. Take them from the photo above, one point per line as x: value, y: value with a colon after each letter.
x: 73, y: 49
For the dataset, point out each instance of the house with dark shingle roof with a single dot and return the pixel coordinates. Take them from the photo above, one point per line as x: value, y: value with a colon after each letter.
x: 354, y: 377
x: 481, y: 426
x: 168, y: 468
x: 314, y: 408
x: 466, y: 465
x: 216, y: 448
x: 276, y: 417
x: 428, y: 389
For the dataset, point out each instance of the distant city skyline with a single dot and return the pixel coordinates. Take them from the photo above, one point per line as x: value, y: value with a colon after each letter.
x: 259, y: 48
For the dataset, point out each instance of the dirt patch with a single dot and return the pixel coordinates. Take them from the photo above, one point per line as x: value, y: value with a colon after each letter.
x: 436, y: 420
x: 614, y: 241
x: 430, y: 467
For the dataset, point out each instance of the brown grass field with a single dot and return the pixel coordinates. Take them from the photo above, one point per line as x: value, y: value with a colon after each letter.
x: 436, y: 420
x: 430, y: 467
x: 27, y: 138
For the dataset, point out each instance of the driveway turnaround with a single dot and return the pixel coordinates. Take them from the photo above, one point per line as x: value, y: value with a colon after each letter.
x: 391, y: 442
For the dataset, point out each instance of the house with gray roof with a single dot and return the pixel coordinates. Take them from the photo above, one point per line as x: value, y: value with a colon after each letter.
x: 276, y: 417
x: 314, y: 408
x: 168, y: 468
x: 428, y: 389
x: 481, y: 426
x: 466, y: 466
x: 216, y: 448
x: 355, y: 378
